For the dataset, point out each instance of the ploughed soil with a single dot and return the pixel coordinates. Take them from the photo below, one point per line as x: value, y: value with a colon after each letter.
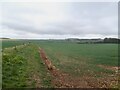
x: 64, y: 80
x: 116, y: 69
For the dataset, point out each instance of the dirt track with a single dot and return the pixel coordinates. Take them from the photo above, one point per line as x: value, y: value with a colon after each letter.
x: 63, y: 80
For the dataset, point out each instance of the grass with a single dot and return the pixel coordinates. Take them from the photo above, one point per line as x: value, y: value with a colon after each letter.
x: 13, y: 70
x: 82, y: 59
x: 36, y: 67
x: 11, y: 43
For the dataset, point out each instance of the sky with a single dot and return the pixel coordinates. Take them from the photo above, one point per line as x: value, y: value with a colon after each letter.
x: 59, y: 20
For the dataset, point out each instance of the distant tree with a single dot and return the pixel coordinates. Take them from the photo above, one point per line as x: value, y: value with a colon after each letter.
x: 111, y: 40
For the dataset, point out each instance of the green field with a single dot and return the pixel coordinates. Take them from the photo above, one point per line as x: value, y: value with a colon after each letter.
x: 23, y: 66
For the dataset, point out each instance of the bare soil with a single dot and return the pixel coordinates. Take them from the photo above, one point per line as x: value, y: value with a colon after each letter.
x: 115, y: 69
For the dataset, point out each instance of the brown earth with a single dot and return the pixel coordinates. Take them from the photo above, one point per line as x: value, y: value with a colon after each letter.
x: 113, y: 68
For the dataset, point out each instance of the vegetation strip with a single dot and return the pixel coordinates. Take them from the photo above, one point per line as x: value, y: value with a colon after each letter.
x: 22, y: 68
x: 14, y: 68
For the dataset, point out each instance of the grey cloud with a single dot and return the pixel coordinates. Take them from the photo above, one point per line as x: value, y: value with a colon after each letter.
x: 82, y: 19
x: 61, y: 29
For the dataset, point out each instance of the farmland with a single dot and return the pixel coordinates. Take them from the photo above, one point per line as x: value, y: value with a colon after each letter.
x: 90, y: 65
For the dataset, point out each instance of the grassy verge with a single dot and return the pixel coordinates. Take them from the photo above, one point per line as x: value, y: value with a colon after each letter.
x: 22, y: 67
x: 14, y: 70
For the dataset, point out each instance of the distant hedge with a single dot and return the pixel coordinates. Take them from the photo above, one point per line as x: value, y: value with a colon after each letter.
x: 111, y: 40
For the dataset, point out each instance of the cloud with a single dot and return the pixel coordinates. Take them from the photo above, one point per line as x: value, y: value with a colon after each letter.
x: 63, y: 19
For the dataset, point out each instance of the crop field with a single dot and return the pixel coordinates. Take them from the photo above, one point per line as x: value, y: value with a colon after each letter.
x: 56, y: 64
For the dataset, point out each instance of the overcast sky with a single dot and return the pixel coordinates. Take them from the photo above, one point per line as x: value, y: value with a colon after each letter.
x: 59, y: 20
